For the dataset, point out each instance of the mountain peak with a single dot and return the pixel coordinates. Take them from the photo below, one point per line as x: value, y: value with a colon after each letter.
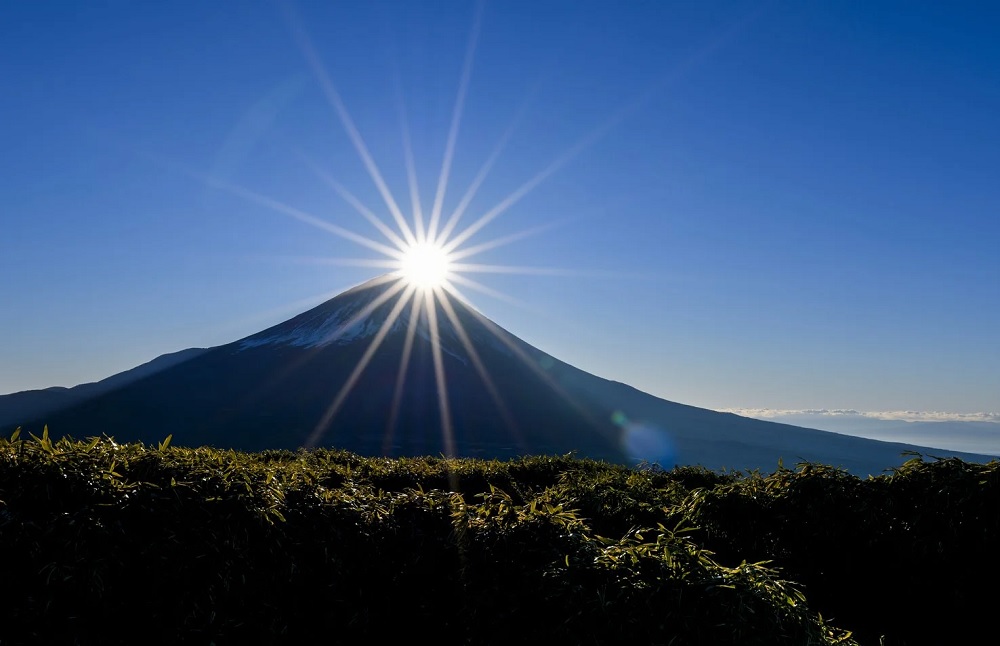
x: 360, y: 312
x: 354, y: 314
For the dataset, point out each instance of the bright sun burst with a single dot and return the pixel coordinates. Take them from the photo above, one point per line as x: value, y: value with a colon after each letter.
x: 426, y: 258
x: 425, y: 265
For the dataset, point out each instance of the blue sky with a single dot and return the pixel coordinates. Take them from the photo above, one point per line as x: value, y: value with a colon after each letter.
x: 784, y: 205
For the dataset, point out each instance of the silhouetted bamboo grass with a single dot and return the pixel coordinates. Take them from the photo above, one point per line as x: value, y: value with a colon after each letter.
x: 119, y: 543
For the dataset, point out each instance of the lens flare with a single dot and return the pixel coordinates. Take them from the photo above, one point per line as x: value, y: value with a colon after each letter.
x: 643, y: 442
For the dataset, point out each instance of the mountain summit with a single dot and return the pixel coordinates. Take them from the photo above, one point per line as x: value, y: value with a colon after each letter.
x: 383, y: 369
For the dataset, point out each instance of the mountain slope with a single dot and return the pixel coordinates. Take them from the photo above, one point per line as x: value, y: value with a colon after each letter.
x: 284, y: 388
x: 20, y: 407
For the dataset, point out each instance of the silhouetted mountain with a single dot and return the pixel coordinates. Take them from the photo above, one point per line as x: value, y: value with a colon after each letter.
x: 26, y: 405
x: 284, y: 387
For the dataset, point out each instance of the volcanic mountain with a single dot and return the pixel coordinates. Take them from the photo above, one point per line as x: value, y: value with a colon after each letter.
x: 383, y: 370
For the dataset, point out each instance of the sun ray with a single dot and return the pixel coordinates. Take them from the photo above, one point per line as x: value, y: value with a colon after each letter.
x: 458, y: 254
x: 300, y: 215
x: 456, y: 118
x: 504, y: 337
x: 479, y: 287
x: 275, y: 205
x: 404, y: 365
x: 592, y: 137
x: 474, y: 268
x: 338, y: 401
x: 312, y: 353
x: 485, y: 169
x: 520, y: 269
x: 411, y: 165
x: 374, y: 263
x: 447, y: 431
x: 333, y: 96
x: 524, y: 189
x: 358, y: 205
x: 367, y: 310
x: 555, y: 165
x: 442, y: 298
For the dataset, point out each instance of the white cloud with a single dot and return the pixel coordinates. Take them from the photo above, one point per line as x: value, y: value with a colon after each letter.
x: 849, y: 413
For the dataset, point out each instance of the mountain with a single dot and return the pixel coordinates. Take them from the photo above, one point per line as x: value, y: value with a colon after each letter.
x: 284, y: 388
x: 33, y: 404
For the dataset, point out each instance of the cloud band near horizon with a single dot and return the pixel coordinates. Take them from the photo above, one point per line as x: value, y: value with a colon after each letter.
x: 898, y: 415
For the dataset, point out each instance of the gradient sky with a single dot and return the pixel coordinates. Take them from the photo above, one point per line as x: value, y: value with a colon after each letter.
x: 786, y: 205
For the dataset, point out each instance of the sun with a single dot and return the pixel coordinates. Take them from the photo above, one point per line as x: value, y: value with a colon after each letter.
x: 425, y: 265
x: 425, y: 252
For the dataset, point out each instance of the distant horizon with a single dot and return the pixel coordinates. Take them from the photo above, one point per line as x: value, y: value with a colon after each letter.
x: 775, y: 209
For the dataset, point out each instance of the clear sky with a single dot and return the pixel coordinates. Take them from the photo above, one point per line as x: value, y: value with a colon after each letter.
x: 784, y: 205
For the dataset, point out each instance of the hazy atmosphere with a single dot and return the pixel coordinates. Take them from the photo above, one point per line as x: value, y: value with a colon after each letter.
x: 735, y: 205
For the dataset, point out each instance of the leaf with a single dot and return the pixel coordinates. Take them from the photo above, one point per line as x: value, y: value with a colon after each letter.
x: 165, y: 443
x: 45, y: 442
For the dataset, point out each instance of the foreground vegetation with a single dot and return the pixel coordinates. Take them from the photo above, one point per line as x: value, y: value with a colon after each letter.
x: 114, y: 543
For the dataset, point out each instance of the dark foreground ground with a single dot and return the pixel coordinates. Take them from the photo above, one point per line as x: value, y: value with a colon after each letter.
x: 105, y: 543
